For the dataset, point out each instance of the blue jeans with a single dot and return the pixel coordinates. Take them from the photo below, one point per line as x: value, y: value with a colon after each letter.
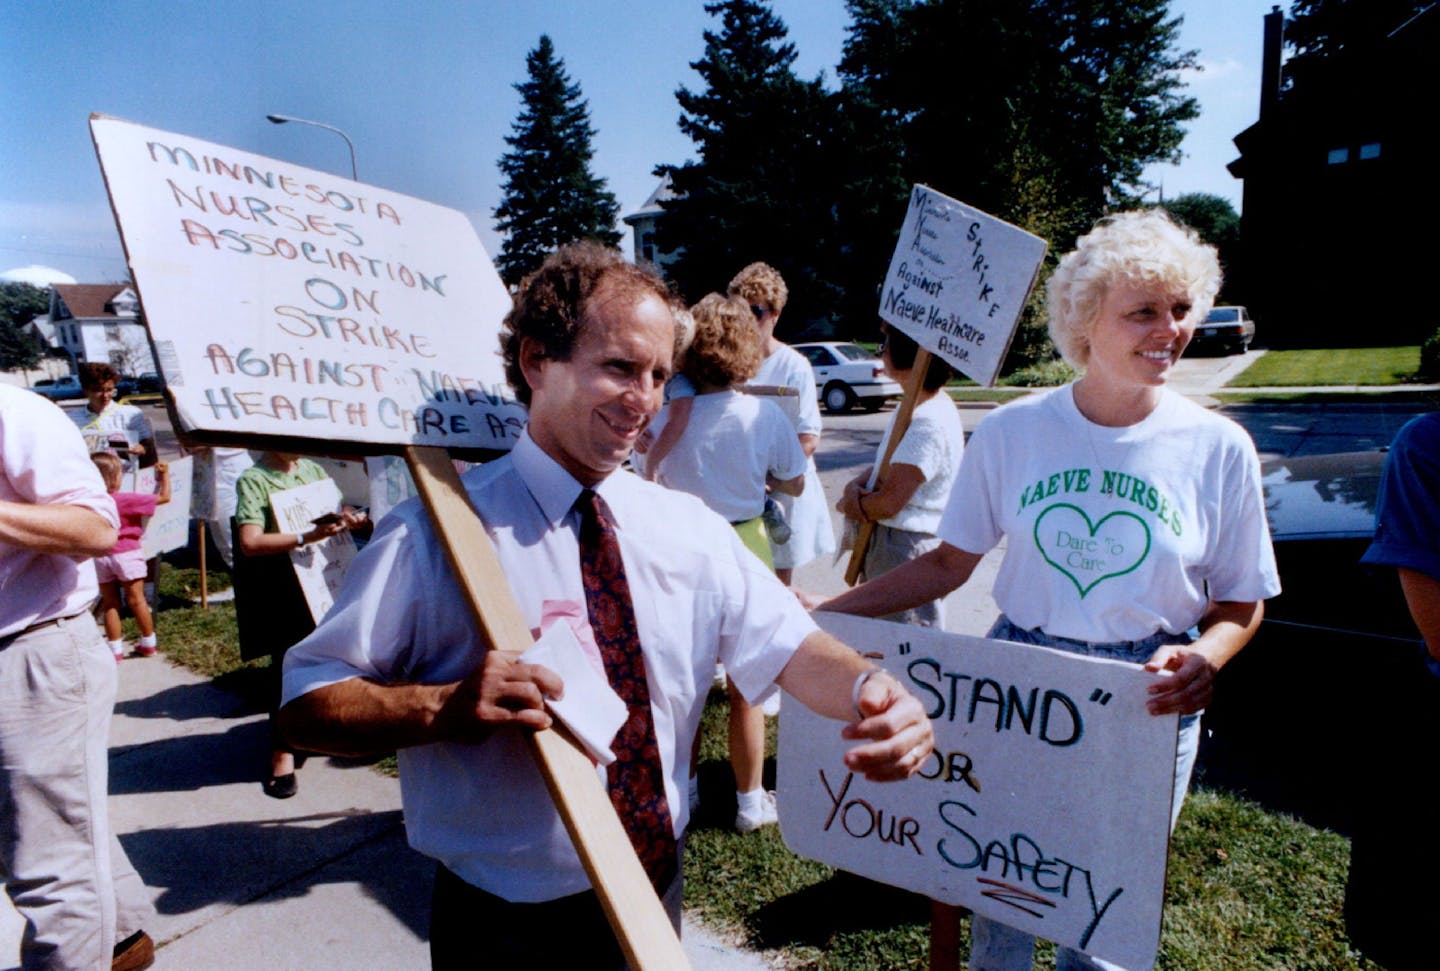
x: 999, y: 947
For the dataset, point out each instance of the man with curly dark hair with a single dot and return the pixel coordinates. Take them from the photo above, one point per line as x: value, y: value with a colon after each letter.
x: 667, y: 588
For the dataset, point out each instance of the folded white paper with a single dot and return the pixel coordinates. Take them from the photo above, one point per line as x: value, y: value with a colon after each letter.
x: 591, y: 708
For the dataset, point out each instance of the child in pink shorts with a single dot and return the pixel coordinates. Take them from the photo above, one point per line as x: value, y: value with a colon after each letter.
x: 124, y: 566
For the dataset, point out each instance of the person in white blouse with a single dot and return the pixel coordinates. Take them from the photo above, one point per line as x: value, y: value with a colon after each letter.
x: 811, y: 535
x: 906, y: 502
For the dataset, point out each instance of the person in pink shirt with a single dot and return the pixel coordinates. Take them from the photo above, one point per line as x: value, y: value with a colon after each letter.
x: 82, y: 903
x: 123, y: 568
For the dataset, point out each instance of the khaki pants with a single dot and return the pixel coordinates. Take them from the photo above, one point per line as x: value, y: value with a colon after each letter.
x: 66, y: 874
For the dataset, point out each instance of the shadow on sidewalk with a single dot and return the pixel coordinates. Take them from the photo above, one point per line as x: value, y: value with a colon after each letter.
x: 243, y: 862
x: 187, y: 763
x: 185, y: 702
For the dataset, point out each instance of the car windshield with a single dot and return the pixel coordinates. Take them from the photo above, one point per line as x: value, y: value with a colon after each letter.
x: 854, y: 352
x: 1223, y: 315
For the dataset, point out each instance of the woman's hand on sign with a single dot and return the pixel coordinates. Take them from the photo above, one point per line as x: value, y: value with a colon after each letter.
x: 899, y: 732
x: 1226, y: 627
x: 1190, y: 686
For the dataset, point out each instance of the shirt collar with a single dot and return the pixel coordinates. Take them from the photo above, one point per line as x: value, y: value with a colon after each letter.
x: 555, y: 490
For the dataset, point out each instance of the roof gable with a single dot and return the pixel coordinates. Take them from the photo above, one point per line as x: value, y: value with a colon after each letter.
x: 96, y: 300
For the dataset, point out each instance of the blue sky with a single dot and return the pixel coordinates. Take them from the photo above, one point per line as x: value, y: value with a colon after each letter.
x: 424, y: 91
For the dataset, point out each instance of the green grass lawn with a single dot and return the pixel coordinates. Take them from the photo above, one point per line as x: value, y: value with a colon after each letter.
x: 1245, y: 888
x: 998, y: 395
x: 1331, y: 366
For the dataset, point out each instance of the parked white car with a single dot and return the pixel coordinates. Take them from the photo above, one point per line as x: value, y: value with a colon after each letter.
x: 847, y: 375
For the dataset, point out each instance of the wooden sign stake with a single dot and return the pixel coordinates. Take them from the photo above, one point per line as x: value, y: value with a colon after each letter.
x: 204, y: 583
x: 635, y: 913
x: 913, y: 387
x: 945, y: 936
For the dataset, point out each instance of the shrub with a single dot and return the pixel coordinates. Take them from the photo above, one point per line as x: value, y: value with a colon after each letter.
x: 1045, y: 374
x: 1430, y: 358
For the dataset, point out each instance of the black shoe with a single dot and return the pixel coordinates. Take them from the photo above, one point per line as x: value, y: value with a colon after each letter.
x: 134, y: 953
x: 281, y: 786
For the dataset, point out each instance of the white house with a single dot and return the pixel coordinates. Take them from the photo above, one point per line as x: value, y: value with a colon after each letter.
x: 642, y: 223
x: 100, y: 322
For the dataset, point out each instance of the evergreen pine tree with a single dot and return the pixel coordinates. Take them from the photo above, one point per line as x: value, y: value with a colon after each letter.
x: 550, y: 195
x: 763, y: 187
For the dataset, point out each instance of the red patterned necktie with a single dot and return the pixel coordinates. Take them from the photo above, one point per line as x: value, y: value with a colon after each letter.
x: 637, y: 784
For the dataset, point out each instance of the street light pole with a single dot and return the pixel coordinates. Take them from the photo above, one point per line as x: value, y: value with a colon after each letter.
x: 282, y: 119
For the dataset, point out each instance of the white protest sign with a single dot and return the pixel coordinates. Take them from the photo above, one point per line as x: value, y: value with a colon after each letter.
x: 212, y: 487
x: 283, y: 301
x: 958, y: 282
x: 390, y: 483
x: 169, y: 528
x: 320, y: 567
x: 1046, y: 804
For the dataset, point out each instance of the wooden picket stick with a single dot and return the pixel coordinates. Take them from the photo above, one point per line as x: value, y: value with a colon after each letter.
x: 945, y: 936
x: 772, y: 390
x: 913, y: 386
x: 640, y: 922
x: 204, y: 580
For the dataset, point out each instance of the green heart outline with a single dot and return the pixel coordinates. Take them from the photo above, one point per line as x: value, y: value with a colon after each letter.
x: 1093, y: 530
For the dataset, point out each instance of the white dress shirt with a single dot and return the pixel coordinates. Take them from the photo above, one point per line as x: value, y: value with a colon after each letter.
x: 699, y: 595
x: 43, y: 461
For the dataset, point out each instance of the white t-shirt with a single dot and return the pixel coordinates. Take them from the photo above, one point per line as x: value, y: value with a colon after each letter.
x: 730, y: 443
x: 116, y: 419
x: 1113, y: 533
x: 933, y: 443
x: 699, y: 596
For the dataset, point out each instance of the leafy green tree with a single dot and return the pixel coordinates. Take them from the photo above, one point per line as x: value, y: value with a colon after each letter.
x: 19, y: 303
x: 550, y: 195
x: 763, y: 187
x: 1041, y: 112
x: 1217, y: 222
x: 1212, y: 216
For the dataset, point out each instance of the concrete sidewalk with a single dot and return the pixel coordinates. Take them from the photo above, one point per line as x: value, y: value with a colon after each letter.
x: 242, y: 881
